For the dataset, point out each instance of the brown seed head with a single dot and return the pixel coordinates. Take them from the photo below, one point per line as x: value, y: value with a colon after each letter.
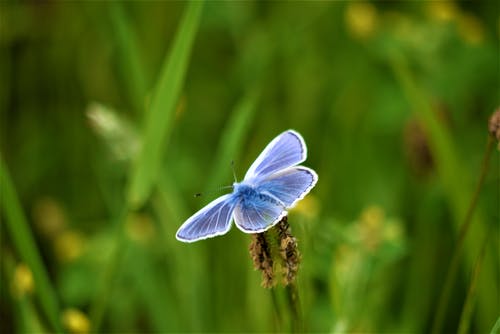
x: 262, y: 259
x: 494, y: 124
x: 289, y: 252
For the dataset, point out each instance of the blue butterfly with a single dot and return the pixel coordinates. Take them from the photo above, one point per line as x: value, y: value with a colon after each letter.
x: 272, y: 185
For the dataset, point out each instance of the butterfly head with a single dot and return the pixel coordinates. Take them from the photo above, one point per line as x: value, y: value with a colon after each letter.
x: 242, y: 188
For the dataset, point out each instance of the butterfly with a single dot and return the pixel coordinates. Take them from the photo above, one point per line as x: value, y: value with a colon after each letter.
x: 272, y: 185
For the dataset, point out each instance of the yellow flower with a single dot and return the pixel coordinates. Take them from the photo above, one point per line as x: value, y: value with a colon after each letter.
x: 69, y: 245
x: 471, y: 29
x: 49, y: 216
x: 23, y: 282
x: 75, y: 321
x: 372, y: 216
x: 442, y: 10
x: 370, y: 226
x: 361, y: 19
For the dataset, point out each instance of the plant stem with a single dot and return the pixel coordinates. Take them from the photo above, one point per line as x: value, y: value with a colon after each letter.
x: 469, y: 300
x: 159, y: 120
x: 496, y: 327
x: 103, y: 294
x: 272, y: 243
x: 294, y: 307
x: 23, y: 240
x: 277, y: 311
x: 455, y: 261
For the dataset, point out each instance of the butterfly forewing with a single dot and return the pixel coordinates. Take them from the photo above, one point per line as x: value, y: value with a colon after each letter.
x: 214, y: 219
x: 289, y: 185
x: 286, y: 150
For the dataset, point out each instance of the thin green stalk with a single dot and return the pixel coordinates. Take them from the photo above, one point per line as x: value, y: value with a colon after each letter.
x: 23, y: 240
x: 277, y: 311
x: 229, y: 146
x: 157, y: 125
x: 128, y: 51
x: 468, y: 307
x: 455, y: 260
x: 159, y: 119
x: 26, y: 317
x: 294, y: 307
x: 274, y: 237
x: 233, y: 136
x: 496, y: 327
x: 155, y: 292
x: 185, y: 284
x: 98, y: 307
x: 455, y: 184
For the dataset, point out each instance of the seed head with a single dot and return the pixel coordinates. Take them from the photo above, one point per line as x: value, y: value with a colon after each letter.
x: 494, y: 125
x: 260, y: 252
x: 289, y: 252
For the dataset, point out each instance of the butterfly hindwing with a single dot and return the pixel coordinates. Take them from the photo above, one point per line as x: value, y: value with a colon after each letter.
x: 289, y: 185
x: 214, y: 219
x: 286, y: 150
x: 257, y: 214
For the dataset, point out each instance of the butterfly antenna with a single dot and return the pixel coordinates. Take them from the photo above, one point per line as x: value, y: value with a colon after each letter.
x: 234, y: 173
x: 213, y: 191
x: 225, y: 187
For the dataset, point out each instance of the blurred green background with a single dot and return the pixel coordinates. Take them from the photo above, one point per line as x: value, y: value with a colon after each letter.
x: 114, y: 114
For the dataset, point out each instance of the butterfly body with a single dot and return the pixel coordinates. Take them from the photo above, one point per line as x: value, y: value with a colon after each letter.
x: 246, y: 194
x: 272, y: 185
x: 244, y: 190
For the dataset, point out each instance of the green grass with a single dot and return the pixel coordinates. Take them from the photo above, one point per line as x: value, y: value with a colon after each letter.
x: 158, y: 121
x: 392, y: 100
x: 457, y: 186
x: 22, y: 238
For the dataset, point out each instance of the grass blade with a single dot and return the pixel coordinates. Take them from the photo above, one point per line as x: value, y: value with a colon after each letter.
x: 455, y: 260
x: 159, y: 118
x: 187, y: 289
x: 24, y: 242
x: 131, y: 65
x: 229, y: 145
x: 157, y: 124
x: 103, y: 291
x: 496, y: 327
x: 231, y: 140
x: 455, y: 183
x: 468, y: 307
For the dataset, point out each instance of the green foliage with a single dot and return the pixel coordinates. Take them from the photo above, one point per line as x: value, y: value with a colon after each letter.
x: 112, y: 115
x: 159, y: 118
x: 23, y: 240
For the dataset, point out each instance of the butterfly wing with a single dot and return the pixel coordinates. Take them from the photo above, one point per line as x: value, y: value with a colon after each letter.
x: 286, y: 150
x: 257, y: 214
x: 214, y: 219
x: 290, y: 185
